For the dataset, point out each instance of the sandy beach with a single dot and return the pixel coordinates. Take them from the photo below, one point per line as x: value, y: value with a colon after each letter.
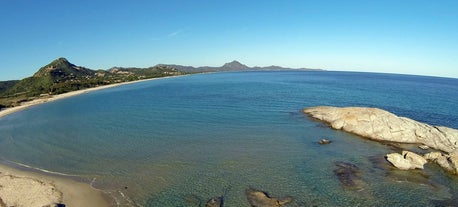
x: 26, y: 188
x: 38, y: 101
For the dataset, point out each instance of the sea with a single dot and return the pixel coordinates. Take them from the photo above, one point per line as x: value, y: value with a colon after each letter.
x: 184, y: 140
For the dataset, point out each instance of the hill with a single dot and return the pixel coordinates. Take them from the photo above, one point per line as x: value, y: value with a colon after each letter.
x: 4, y: 85
x: 61, y: 76
x: 50, y: 79
x: 61, y: 70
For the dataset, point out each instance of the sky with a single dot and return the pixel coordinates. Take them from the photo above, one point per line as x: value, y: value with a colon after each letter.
x: 408, y: 36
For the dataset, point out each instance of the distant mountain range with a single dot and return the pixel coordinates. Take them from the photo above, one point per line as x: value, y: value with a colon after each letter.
x: 61, y: 76
x: 231, y: 66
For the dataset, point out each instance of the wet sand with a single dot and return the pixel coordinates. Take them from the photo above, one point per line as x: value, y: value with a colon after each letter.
x: 25, y: 188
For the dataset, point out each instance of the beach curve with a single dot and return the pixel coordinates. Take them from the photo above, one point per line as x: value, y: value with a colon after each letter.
x: 50, y: 188
x: 52, y: 98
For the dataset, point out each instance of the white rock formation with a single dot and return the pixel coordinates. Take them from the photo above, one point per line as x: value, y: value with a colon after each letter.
x: 453, y: 157
x: 398, y: 161
x: 441, y: 160
x: 407, y: 160
x: 382, y: 125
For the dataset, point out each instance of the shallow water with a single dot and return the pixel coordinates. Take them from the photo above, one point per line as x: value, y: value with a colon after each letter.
x: 182, y: 141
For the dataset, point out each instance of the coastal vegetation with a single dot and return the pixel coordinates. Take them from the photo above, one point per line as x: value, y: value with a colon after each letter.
x: 61, y: 76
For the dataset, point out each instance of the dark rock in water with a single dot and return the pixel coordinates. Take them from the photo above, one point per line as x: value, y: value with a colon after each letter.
x: 418, y: 177
x: 453, y: 202
x: 380, y: 163
x: 60, y: 205
x: 215, y: 202
x: 324, y: 141
x: 258, y: 198
x: 346, y: 165
x: 348, y: 175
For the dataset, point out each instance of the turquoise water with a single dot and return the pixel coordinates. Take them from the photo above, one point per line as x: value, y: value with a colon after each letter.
x: 184, y: 140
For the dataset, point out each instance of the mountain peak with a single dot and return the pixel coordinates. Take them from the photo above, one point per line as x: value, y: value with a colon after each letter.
x: 60, y: 62
x: 61, y: 67
x: 235, y: 65
x: 61, y: 59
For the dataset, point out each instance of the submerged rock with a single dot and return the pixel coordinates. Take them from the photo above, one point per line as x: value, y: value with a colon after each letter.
x: 348, y: 175
x: 215, y: 202
x: 407, y: 160
x: 451, y: 202
x: 382, y: 125
x: 258, y: 198
x: 324, y: 141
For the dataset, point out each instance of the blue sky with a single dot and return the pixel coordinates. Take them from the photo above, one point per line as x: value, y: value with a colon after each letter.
x: 410, y: 37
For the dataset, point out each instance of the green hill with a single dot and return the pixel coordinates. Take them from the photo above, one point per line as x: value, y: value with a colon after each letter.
x: 61, y: 76
x: 5, y: 85
x: 61, y: 69
x: 53, y: 78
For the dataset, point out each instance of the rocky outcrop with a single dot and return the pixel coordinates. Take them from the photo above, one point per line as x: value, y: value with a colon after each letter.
x: 258, y: 198
x: 215, y: 202
x: 407, y: 160
x: 440, y: 159
x: 448, y: 162
x: 453, y: 157
x: 382, y: 125
x: 324, y: 141
x: 398, y: 161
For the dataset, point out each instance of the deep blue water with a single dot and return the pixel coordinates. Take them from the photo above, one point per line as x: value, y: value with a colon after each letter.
x: 184, y: 140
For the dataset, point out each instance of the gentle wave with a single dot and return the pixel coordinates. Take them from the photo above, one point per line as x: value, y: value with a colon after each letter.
x: 39, y: 169
x: 117, y: 202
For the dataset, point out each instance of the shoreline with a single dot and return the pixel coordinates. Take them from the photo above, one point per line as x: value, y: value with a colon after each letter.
x: 26, y: 188
x: 35, y: 186
x: 38, y: 101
